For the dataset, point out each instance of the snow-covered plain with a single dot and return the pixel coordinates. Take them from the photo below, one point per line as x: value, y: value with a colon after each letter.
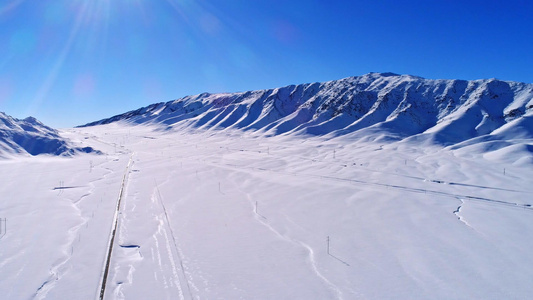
x: 227, y: 214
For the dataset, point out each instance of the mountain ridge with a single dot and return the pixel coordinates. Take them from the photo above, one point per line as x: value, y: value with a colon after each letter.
x: 404, y: 106
x: 31, y: 137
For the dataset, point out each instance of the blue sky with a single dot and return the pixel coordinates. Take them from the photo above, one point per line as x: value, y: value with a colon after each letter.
x: 69, y: 62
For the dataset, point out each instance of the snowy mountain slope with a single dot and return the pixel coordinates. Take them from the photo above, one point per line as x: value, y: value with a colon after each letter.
x: 29, y: 136
x: 397, y: 106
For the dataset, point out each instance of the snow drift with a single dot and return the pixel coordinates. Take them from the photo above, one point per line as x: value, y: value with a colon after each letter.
x: 29, y: 136
x: 445, y: 112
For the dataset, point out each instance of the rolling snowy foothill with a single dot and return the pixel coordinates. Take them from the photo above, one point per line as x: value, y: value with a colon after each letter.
x: 373, y: 187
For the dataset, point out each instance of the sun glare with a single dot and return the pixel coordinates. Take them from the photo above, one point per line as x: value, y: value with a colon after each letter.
x: 9, y: 6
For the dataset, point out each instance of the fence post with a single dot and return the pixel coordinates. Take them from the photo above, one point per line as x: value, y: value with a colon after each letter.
x: 3, y: 229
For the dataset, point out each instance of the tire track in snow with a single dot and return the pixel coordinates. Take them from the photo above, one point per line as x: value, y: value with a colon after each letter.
x: 127, y: 253
x: 178, y: 250
x: 114, y: 229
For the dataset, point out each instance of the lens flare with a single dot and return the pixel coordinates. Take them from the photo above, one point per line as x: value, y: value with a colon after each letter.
x: 22, y: 41
x: 5, y: 8
x: 84, y: 85
x: 6, y: 90
x: 87, y: 14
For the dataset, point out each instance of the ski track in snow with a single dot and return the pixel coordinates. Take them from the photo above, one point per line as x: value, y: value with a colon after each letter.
x: 175, y: 281
x: 182, y: 276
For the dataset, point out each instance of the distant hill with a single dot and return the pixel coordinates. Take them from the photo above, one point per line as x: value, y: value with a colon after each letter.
x: 29, y: 136
x: 377, y: 106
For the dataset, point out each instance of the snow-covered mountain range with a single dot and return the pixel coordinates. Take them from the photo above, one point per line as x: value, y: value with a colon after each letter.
x: 29, y: 136
x: 376, y: 106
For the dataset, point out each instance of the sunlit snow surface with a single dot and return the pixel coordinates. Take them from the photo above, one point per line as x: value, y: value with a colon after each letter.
x: 233, y: 215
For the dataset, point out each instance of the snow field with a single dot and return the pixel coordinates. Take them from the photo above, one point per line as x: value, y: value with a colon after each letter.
x: 57, y: 211
x: 232, y: 215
